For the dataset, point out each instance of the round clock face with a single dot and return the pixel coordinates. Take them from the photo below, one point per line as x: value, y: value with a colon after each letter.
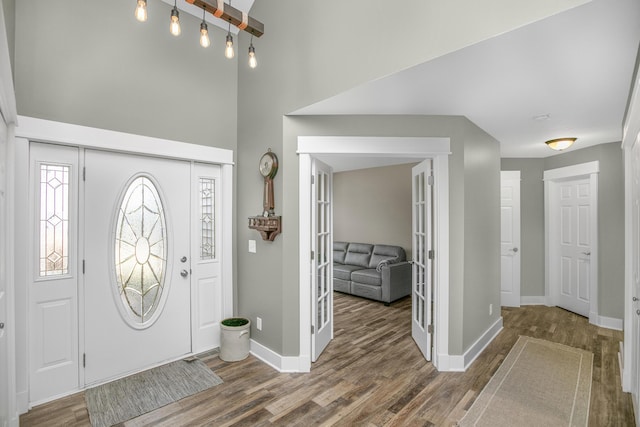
x: 268, y: 165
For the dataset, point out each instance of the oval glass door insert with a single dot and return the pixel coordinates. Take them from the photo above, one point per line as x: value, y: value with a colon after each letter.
x: 140, y: 252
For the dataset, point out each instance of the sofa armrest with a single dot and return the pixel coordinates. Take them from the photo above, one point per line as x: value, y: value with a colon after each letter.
x: 396, y: 281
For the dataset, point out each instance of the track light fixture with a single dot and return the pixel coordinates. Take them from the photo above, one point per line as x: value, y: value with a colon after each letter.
x: 174, y: 27
x: 220, y: 10
x: 141, y: 10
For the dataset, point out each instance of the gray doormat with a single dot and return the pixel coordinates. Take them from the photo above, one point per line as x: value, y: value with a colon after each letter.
x: 129, y: 397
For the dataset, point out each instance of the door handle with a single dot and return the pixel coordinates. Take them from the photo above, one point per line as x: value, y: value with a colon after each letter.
x: 184, y: 273
x: 634, y: 299
x: 515, y: 250
x: 586, y: 253
x: 1, y: 325
x: 638, y: 312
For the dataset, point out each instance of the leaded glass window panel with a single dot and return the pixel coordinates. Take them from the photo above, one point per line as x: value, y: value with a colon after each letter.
x: 140, y: 249
x: 54, y: 220
x: 207, y: 218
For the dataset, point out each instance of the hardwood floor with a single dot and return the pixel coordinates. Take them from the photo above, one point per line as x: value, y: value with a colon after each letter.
x: 372, y: 374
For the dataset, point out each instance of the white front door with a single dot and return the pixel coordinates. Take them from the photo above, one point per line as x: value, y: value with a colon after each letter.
x: 510, y: 238
x: 53, y: 268
x: 137, y: 294
x: 322, y: 259
x: 206, y: 248
x: 574, y: 224
x: 422, y: 247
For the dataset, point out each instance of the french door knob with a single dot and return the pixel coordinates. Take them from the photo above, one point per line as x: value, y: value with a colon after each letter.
x: 638, y: 312
x: 1, y: 325
x: 184, y: 273
x: 634, y: 299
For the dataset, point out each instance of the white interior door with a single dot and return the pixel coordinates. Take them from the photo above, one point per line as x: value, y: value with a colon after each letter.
x: 53, y: 267
x: 137, y: 287
x: 510, y: 238
x: 574, y: 240
x: 322, y: 259
x: 206, y: 298
x: 422, y: 247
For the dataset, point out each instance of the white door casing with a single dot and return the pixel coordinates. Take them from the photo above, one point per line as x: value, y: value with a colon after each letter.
x: 420, y: 148
x: 206, y: 297
x: 115, y: 344
x: 510, y: 253
x: 53, y: 267
x: 5, y: 411
x: 423, y: 252
x: 635, y: 236
x: 571, y: 196
x: 322, y: 259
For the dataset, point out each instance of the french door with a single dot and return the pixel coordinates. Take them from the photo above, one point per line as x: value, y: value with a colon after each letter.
x: 422, y: 248
x: 322, y: 259
x: 137, y: 289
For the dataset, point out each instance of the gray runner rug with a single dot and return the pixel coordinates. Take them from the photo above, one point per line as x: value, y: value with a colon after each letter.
x: 129, y: 397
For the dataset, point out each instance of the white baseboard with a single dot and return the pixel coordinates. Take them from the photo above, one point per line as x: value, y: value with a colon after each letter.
x: 607, y: 322
x: 533, y: 300
x: 460, y: 363
x: 278, y: 362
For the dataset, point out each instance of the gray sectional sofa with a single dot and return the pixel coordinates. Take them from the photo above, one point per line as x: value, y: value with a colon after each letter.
x: 378, y: 272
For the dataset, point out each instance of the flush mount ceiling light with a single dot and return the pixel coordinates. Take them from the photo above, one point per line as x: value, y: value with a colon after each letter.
x: 560, y: 143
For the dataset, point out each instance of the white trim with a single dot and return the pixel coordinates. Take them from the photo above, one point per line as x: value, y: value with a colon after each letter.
x: 373, y: 146
x: 226, y: 267
x: 608, y: 322
x: 551, y: 177
x: 481, y: 343
x: 582, y: 169
x: 436, y: 148
x: 512, y: 175
x: 533, y: 300
x: 276, y: 361
x: 108, y: 140
x: 460, y: 363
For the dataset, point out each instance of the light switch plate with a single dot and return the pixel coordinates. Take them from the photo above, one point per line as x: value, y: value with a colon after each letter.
x: 252, y: 246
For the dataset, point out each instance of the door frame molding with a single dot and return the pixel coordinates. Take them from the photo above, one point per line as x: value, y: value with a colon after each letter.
x: 552, y: 178
x: 420, y: 148
x: 46, y: 131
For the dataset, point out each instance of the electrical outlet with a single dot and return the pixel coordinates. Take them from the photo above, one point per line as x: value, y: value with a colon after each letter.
x: 259, y: 323
x: 490, y: 309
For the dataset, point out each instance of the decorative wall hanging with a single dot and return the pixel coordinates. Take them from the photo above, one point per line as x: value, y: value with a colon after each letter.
x: 268, y: 224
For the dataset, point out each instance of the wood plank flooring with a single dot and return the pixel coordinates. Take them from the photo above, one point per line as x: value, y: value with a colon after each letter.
x: 372, y: 374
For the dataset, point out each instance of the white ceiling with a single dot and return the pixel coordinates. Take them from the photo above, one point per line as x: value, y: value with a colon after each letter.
x: 567, y: 75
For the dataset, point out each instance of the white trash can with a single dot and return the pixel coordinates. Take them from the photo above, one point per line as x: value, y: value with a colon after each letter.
x: 234, y: 339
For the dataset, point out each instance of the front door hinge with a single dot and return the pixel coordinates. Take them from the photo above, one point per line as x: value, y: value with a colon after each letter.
x: 313, y: 329
x: 430, y: 329
x: 82, y: 266
x: 313, y: 255
x: 84, y: 360
x: 431, y: 254
x: 430, y: 180
x: 84, y: 173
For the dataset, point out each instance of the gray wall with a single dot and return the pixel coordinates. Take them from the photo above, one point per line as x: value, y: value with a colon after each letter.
x: 91, y: 63
x: 610, y: 221
x: 373, y: 206
x: 531, y: 223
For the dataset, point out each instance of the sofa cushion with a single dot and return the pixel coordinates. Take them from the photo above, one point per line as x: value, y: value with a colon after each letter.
x: 367, y: 291
x: 339, y: 251
x: 359, y: 254
x: 389, y: 253
x: 341, y: 285
x: 369, y: 276
x: 343, y: 271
